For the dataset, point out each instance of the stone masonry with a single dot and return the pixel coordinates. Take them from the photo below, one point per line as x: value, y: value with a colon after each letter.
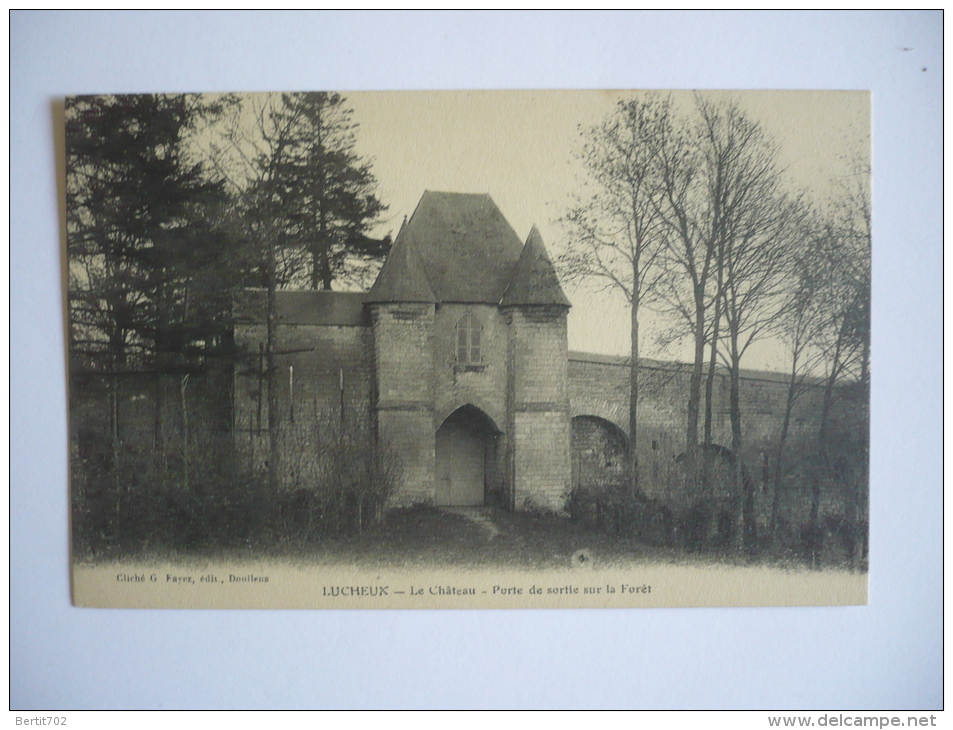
x: 457, y: 359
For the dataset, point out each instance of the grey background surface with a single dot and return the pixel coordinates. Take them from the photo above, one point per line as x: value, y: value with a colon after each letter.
x: 884, y: 656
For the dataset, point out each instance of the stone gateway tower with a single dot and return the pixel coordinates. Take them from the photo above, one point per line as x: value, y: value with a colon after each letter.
x: 471, y: 359
x: 456, y: 362
x: 456, y: 359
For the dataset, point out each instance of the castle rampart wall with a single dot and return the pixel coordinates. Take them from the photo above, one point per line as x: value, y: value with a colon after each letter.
x: 599, y: 387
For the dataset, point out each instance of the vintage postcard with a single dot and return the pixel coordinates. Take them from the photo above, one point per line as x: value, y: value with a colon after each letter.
x: 475, y: 349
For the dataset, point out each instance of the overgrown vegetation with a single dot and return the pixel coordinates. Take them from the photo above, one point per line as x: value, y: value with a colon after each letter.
x: 686, y: 209
x: 780, y: 517
x: 188, y: 488
x: 175, y: 202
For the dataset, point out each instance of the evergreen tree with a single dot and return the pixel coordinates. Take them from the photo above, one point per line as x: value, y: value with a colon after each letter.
x: 147, y: 256
x: 325, y: 193
x: 306, y: 201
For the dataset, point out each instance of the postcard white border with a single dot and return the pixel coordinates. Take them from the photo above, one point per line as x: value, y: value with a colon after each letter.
x: 886, y: 655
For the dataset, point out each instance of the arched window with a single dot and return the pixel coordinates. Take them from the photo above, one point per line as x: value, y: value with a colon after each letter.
x: 469, y: 330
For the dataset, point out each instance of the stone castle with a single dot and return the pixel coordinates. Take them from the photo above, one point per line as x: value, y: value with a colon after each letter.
x: 457, y: 358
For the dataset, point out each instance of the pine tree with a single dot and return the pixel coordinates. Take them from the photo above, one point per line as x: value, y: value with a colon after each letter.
x: 326, y: 193
x: 146, y: 251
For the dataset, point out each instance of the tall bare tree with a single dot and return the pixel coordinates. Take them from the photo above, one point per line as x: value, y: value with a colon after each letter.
x: 804, y: 319
x: 845, y: 244
x: 614, y: 236
x: 689, y: 259
x: 267, y: 148
x: 256, y: 147
x: 847, y: 238
x: 755, y: 229
x: 727, y: 235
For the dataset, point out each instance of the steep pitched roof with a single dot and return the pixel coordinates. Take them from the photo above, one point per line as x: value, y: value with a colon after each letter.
x: 466, y: 246
x: 402, y: 278
x: 534, y: 279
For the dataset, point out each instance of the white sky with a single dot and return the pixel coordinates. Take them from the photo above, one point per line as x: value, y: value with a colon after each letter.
x: 519, y: 147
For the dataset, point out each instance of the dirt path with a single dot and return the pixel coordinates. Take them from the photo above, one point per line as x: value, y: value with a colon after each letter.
x: 482, y: 517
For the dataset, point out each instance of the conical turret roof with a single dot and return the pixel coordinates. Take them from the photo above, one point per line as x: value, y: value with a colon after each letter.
x: 467, y: 249
x: 402, y: 278
x: 534, y: 279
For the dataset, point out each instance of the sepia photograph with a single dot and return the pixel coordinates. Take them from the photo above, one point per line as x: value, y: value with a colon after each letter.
x: 469, y: 349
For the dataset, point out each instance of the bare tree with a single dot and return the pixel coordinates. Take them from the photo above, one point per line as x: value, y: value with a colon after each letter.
x: 844, y: 244
x: 727, y: 236
x: 754, y: 229
x: 614, y: 236
x: 847, y: 239
x: 689, y: 217
x: 305, y: 202
x: 804, y: 319
x: 258, y: 142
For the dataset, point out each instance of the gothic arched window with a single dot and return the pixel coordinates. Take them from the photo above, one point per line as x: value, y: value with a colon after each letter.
x: 469, y: 330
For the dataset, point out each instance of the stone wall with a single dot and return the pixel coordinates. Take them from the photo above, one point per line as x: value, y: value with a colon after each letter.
x: 403, y: 336
x: 390, y: 371
x: 538, y: 397
x: 324, y: 384
x: 599, y: 387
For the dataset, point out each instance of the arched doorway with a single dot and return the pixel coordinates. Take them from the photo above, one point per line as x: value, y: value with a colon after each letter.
x: 599, y: 454
x: 467, y: 468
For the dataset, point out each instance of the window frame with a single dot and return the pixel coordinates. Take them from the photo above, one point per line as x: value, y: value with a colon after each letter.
x: 463, y: 339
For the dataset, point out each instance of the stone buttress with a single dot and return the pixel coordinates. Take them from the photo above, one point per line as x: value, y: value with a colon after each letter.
x: 401, y: 306
x: 538, y: 387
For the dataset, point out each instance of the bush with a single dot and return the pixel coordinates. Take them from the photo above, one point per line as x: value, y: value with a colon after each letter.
x: 130, y: 497
x: 603, y: 506
x: 337, y: 479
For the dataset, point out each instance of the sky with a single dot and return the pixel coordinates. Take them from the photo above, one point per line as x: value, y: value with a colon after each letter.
x: 521, y: 148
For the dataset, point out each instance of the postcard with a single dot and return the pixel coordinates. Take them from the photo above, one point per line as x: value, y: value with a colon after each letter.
x: 469, y: 349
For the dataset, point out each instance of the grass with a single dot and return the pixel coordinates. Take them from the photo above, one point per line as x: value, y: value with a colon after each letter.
x: 431, y: 537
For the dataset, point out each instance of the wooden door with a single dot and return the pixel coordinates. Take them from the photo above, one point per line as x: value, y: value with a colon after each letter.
x: 460, y: 466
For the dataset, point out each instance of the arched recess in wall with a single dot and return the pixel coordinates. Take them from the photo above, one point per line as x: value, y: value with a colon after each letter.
x: 599, y: 450
x: 613, y: 411
x: 468, y: 455
x: 443, y: 410
x: 721, y: 465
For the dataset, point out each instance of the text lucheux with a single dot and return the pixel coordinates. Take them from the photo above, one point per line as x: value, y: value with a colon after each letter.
x: 359, y: 591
